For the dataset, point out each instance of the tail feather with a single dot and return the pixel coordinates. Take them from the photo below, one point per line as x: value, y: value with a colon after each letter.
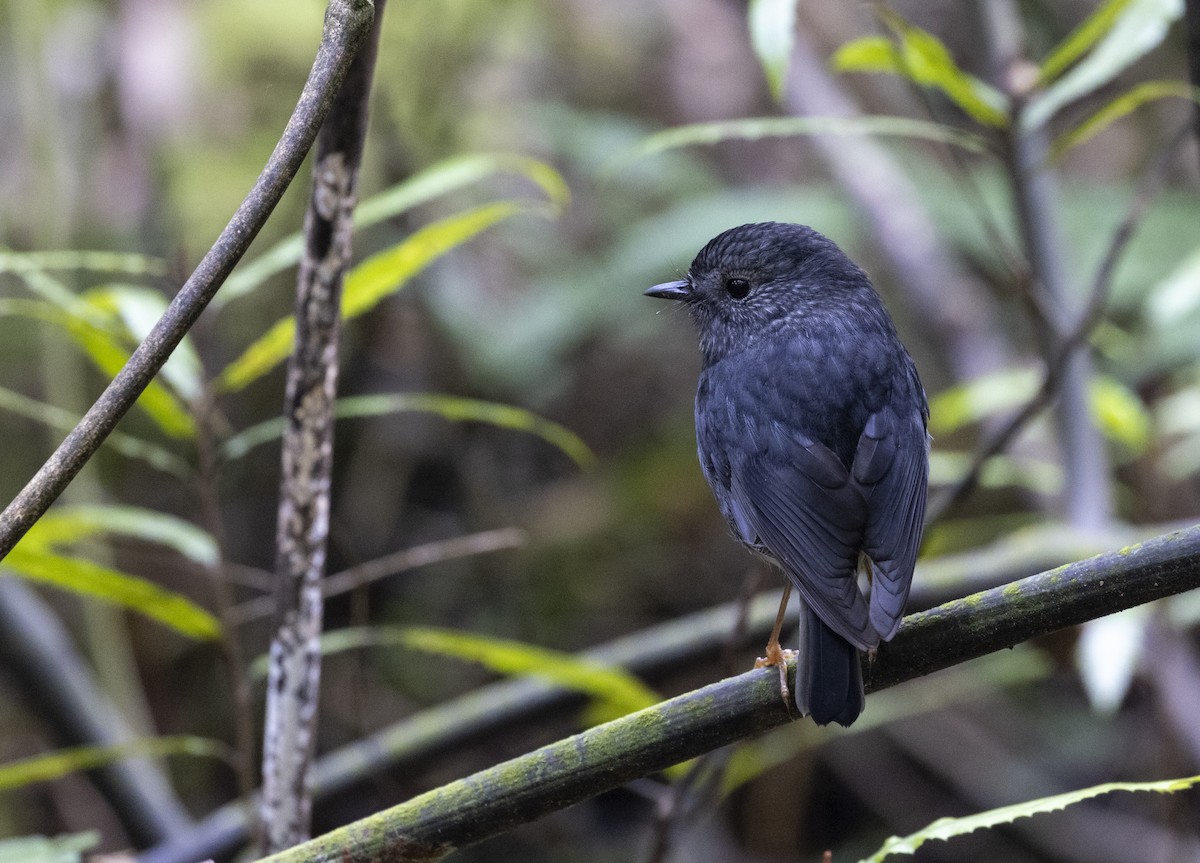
x: 829, y: 684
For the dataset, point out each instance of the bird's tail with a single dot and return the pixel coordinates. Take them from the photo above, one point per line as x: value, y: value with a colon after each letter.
x: 829, y: 684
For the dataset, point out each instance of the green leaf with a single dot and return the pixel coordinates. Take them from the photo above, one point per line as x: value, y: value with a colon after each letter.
x: 1000, y: 471
x: 108, y: 355
x: 98, y: 262
x: 974, y: 400
x: 55, y: 765
x: 375, y: 278
x: 1080, y: 40
x: 1119, y: 413
x: 64, y: 421
x: 1123, y: 104
x: 949, y: 828
x: 67, y: 524
x: 1178, y: 295
x: 752, y: 129
x: 42, y: 849
x: 617, y: 691
x: 36, y: 562
x: 1139, y: 27
x: 772, y: 33
x: 441, y: 179
x: 452, y: 408
x: 923, y: 59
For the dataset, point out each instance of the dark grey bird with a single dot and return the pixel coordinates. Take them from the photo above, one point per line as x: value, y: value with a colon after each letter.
x: 811, y: 431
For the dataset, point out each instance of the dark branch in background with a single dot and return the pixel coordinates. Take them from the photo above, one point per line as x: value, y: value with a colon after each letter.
x: 495, y: 800
x: 37, y: 651
x: 1149, y: 186
x: 346, y: 23
x: 302, y: 534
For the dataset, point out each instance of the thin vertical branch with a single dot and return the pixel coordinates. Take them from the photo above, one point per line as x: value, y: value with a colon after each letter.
x: 303, y: 526
x: 346, y: 24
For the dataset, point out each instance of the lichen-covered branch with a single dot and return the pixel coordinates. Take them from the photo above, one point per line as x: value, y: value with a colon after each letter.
x: 289, y: 730
x: 432, y: 825
x: 346, y: 24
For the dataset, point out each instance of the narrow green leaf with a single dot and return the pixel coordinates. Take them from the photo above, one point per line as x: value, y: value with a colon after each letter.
x: 923, y: 59
x: 375, y: 278
x: 98, y: 262
x: 42, y: 849
x: 37, y: 563
x: 753, y: 129
x: 618, y: 691
x: 1126, y: 103
x: 55, y: 765
x: 436, y: 181
x: 64, y: 421
x: 67, y: 524
x: 1140, y: 26
x: 1119, y: 413
x: 772, y: 33
x: 1080, y: 40
x: 108, y: 355
x: 452, y: 408
x: 1000, y: 471
x: 949, y: 828
x: 974, y: 400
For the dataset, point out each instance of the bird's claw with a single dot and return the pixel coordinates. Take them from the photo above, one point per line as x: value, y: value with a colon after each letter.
x: 777, y: 657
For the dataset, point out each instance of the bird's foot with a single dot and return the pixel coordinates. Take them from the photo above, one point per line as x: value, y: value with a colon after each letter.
x: 778, y: 658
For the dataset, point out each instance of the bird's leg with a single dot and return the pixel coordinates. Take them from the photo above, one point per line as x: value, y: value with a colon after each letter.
x: 777, y: 656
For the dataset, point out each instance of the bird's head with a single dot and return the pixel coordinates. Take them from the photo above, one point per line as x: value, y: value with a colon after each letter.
x: 756, y: 280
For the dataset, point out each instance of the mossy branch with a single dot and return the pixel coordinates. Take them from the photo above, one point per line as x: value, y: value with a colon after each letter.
x: 492, y: 801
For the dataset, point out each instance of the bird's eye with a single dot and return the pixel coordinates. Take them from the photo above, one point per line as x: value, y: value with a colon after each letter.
x: 737, y: 288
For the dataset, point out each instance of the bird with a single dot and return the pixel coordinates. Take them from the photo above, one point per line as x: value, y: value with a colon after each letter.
x: 812, y: 431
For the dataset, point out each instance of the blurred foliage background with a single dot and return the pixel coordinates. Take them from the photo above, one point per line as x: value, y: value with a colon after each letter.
x: 136, y: 126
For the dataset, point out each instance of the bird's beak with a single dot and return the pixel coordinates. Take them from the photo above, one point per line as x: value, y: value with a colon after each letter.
x: 680, y: 290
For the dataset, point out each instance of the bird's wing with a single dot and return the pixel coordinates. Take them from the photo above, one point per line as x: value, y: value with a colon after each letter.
x: 891, y: 471
x: 791, y: 495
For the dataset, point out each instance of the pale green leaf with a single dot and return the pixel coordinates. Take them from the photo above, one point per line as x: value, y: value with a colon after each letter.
x: 618, y: 691
x: 108, y: 355
x: 1178, y: 295
x: 1140, y: 26
x: 1000, y: 471
x: 66, y: 524
x: 63, y: 762
x: 123, y: 263
x: 43, y: 849
x: 37, y: 563
x: 752, y: 129
x: 772, y: 33
x: 923, y: 59
x: 1080, y: 40
x: 1126, y: 103
x: 64, y: 421
x: 452, y: 408
x: 375, y: 278
x: 949, y: 828
x: 974, y: 400
x: 1119, y: 413
x: 436, y: 181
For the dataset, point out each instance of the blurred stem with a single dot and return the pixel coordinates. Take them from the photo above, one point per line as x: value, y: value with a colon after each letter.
x: 290, y: 726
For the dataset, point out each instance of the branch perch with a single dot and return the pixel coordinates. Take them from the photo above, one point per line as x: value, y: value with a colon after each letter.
x: 347, y: 22
x: 433, y: 824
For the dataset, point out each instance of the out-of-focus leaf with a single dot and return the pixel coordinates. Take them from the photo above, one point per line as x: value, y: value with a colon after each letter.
x: 1080, y: 40
x: 127, y: 445
x: 1178, y: 295
x: 772, y: 33
x: 438, y: 180
x: 1139, y: 27
x: 43, y: 849
x: 108, y: 355
x: 1107, y: 655
x: 1119, y: 413
x: 55, y: 765
x: 66, y: 524
x: 969, y: 402
x: 38, y: 563
x: 139, y: 309
x: 922, y: 58
x: 96, y: 262
x: 375, y: 278
x: 617, y: 691
x: 452, y: 408
x: 1126, y: 103
x: 1000, y: 471
x: 948, y: 828
x: 752, y: 129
